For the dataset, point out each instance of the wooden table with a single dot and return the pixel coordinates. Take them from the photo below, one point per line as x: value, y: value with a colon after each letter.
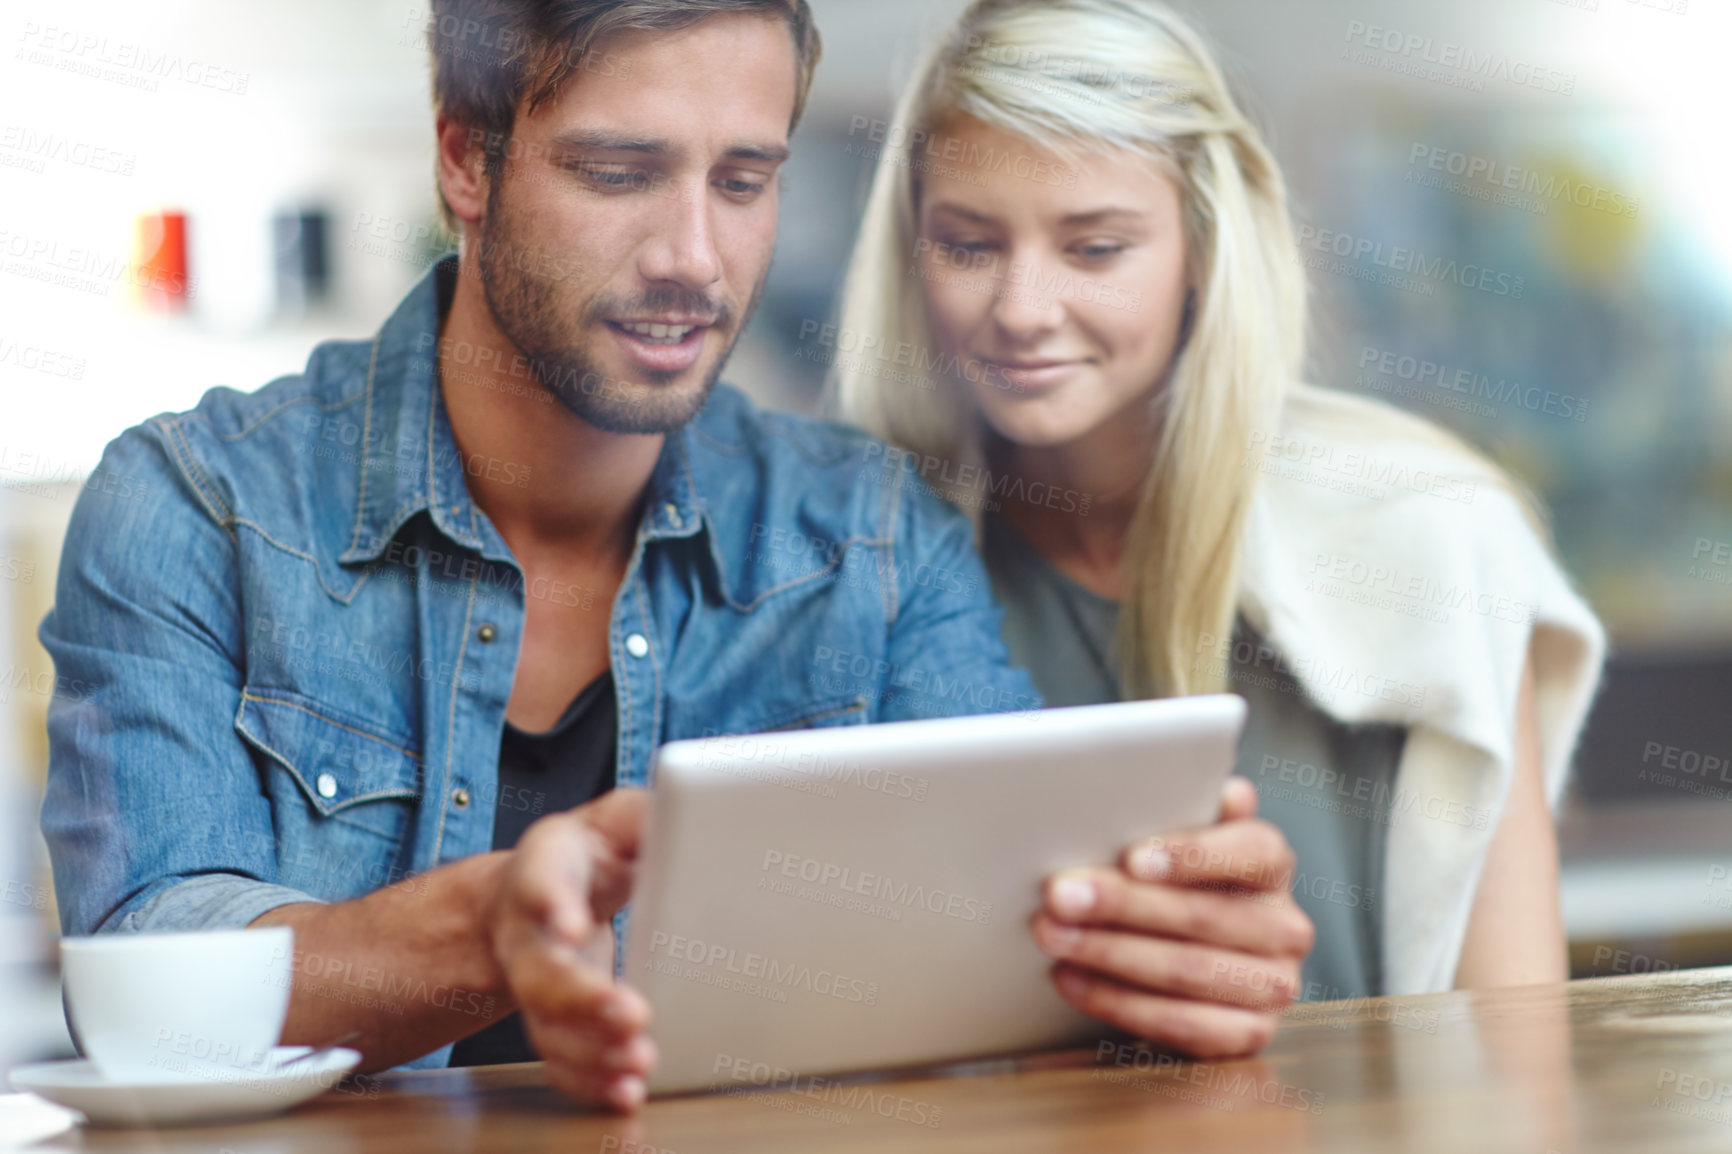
x: 1627, y: 1064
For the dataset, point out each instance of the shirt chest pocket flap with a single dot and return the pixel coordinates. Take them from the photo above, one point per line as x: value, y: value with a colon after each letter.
x: 336, y: 760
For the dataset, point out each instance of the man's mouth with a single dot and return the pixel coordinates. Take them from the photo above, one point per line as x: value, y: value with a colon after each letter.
x: 663, y: 345
x: 657, y: 333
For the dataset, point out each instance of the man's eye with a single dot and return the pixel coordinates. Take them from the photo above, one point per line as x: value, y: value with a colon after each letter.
x: 741, y: 189
x: 611, y: 177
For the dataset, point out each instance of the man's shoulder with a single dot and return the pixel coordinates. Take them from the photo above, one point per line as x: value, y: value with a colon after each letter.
x: 333, y: 379
x: 235, y: 451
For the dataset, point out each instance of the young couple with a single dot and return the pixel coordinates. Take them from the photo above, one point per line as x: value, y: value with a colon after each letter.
x: 353, y: 675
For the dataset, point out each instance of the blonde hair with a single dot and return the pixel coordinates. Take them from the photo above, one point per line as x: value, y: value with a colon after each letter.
x: 1118, y: 77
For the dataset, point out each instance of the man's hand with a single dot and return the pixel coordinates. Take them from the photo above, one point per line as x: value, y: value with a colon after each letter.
x: 551, y: 933
x: 1193, y: 942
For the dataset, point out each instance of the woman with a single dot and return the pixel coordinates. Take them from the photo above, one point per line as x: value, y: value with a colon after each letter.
x: 1077, y: 233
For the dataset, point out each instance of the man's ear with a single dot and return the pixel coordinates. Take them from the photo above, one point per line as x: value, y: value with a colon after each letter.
x: 462, y: 169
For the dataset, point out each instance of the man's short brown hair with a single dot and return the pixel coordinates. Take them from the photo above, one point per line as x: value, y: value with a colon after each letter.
x: 489, y: 56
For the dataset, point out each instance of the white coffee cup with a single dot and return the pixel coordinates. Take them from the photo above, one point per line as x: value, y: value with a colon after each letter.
x: 179, y: 1007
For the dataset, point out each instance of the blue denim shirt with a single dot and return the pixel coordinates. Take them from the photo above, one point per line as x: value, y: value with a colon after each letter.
x: 284, y: 645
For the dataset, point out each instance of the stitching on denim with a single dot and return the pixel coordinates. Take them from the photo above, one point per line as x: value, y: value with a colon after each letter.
x: 451, y: 718
x: 270, y: 416
x: 346, y: 598
x: 321, y: 804
x: 249, y: 695
x: 189, y: 468
x: 638, y: 588
x: 855, y: 705
x: 792, y: 582
x: 892, y: 601
x: 366, y: 439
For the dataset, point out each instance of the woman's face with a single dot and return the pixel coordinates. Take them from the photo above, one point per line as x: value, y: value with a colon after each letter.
x: 1059, y: 289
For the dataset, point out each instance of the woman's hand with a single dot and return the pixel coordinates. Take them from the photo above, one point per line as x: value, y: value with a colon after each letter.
x: 1192, y: 942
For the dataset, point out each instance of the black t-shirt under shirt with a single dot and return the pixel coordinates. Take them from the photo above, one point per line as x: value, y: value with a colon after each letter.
x: 543, y: 773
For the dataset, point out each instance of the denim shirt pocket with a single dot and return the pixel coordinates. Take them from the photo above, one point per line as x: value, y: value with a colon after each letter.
x: 848, y: 709
x: 343, y: 792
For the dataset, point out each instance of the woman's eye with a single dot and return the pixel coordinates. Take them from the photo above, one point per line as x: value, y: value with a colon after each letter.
x: 1099, y: 251
x: 967, y: 245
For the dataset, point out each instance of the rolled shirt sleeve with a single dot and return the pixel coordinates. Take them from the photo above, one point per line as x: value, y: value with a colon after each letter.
x: 154, y: 814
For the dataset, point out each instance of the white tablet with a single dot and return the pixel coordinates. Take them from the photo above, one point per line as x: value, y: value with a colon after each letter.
x: 830, y: 900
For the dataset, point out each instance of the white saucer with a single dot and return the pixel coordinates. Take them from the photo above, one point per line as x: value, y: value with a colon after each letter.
x: 239, y: 1094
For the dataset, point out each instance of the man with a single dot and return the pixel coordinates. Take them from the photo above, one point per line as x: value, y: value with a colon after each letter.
x: 389, y: 613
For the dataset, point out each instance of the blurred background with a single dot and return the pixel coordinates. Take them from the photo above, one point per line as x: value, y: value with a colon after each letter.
x: 197, y: 192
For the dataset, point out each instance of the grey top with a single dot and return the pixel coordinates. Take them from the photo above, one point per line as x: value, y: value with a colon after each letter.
x: 1325, y: 784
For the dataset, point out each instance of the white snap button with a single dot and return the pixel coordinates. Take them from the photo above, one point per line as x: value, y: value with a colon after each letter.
x: 327, y: 786
x: 637, y: 645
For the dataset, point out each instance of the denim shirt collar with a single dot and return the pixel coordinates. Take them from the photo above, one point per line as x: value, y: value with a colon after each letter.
x: 411, y: 461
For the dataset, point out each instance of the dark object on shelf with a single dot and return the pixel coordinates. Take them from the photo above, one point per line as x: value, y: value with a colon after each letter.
x: 302, y: 258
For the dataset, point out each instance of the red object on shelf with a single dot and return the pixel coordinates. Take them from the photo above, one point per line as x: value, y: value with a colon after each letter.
x: 161, y: 266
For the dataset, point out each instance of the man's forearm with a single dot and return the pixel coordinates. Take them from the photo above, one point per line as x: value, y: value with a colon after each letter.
x: 409, y: 966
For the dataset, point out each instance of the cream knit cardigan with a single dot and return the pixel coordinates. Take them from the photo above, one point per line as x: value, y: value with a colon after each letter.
x: 1402, y: 583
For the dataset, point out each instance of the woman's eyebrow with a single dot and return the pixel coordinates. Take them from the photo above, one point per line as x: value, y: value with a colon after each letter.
x: 1101, y: 215
x: 969, y: 214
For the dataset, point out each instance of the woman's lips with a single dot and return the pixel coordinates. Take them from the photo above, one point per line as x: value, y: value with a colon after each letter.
x: 660, y: 355
x: 1032, y: 374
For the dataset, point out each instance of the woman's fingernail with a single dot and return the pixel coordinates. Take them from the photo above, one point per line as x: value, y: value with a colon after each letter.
x: 628, y: 1092
x: 1072, y: 896
x: 1150, y: 863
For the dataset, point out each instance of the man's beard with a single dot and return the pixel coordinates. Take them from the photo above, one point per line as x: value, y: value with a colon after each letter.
x: 525, y: 306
